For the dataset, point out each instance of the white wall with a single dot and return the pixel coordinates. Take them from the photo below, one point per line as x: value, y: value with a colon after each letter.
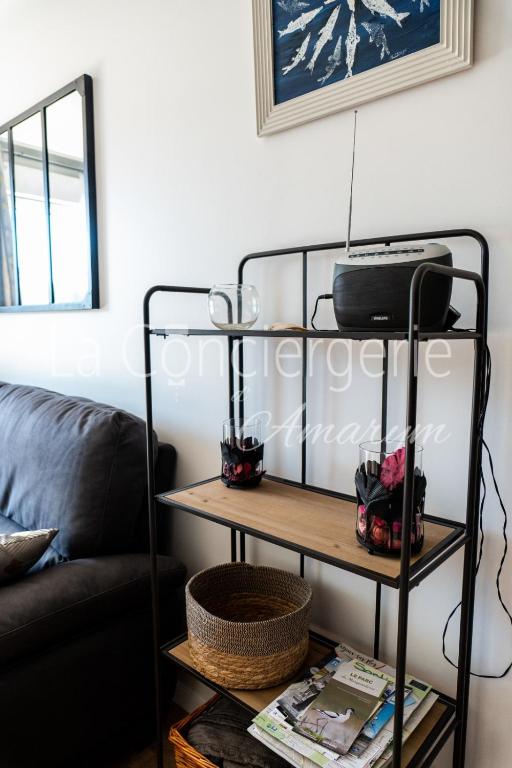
x: 185, y: 188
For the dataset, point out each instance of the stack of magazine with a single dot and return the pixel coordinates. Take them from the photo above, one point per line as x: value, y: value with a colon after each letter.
x: 341, y: 714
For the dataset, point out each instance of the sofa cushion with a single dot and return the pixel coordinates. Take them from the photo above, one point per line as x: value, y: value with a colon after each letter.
x: 71, y: 464
x: 69, y: 599
x: 21, y: 550
x: 49, y: 557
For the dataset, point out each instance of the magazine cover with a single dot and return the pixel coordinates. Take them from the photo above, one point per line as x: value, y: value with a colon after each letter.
x: 409, y: 727
x: 298, y: 696
x: 341, y: 710
x: 337, y: 717
x: 380, y: 726
x: 364, y: 677
x: 383, y: 715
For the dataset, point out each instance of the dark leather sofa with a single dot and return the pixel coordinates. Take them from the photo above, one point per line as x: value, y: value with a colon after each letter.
x: 75, y: 633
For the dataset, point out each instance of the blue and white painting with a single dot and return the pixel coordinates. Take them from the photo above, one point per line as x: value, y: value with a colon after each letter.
x: 319, y: 43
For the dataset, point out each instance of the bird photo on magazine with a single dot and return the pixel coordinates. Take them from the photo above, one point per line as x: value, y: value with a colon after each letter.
x: 341, y: 710
x: 298, y: 696
x: 337, y: 717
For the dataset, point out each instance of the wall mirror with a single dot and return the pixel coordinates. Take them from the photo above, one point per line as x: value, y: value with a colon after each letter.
x: 48, y: 234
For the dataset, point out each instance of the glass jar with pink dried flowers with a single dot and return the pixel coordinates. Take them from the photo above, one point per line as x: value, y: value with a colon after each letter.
x: 380, y: 492
x: 242, y: 453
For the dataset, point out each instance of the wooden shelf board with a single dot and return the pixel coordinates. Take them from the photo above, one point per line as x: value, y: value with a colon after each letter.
x: 258, y: 700
x: 420, y: 734
x: 255, y: 700
x: 320, y: 526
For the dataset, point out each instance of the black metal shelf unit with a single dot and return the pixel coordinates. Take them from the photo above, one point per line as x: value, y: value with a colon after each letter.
x: 411, y: 571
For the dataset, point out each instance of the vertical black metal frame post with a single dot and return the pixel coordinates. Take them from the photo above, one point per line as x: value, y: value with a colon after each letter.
x: 304, y: 372
x: 471, y: 548
x: 304, y: 392
x: 383, y: 434
x: 472, y: 505
x: 151, y: 447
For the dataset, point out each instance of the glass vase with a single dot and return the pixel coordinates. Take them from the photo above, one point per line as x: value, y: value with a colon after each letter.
x: 380, y: 492
x: 242, y: 453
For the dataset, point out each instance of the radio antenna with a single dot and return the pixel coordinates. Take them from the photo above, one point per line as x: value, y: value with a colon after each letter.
x: 349, y: 228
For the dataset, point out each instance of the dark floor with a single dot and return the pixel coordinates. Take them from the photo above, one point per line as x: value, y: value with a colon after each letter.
x: 147, y: 757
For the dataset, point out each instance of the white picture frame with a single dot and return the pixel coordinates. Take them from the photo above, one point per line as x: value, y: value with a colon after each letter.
x: 452, y: 54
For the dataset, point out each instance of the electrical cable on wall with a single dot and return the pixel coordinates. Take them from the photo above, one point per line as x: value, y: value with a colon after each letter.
x: 487, y: 387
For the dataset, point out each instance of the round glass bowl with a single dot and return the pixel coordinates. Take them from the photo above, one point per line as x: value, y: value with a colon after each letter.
x: 233, y: 307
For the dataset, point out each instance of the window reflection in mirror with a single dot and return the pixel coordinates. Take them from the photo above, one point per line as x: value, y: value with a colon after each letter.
x: 31, y: 219
x: 8, y: 273
x: 68, y: 225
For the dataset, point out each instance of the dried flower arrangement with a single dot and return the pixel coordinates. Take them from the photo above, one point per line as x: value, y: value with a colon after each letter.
x: 380, y: 493
x: 242, y: 462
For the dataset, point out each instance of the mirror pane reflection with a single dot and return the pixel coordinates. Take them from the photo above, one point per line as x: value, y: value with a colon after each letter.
x: 30, y: 207
x: 68, y: 222
x: 8, y: 276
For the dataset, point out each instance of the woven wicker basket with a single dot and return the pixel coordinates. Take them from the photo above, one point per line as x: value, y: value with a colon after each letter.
x: 248, y: 625
x: 185, y: 755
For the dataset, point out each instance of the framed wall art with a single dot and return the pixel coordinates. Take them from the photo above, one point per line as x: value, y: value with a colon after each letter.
x: 317, y: 57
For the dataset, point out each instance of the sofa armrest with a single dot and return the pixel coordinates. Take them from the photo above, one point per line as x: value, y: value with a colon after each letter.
x: 57, y: 603
x: 165, y: 468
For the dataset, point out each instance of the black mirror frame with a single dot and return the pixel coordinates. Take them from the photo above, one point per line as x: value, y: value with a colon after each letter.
x: 83, y: 85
